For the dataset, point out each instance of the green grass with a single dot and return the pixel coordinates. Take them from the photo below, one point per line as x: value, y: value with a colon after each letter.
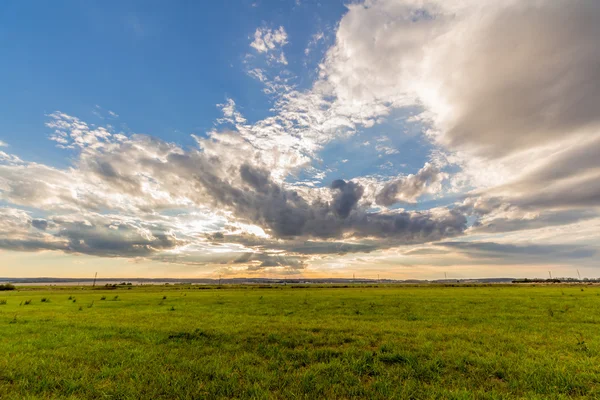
x: 483, y: 342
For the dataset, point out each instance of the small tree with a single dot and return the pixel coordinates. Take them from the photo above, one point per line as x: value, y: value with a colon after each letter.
x: 7, y: 286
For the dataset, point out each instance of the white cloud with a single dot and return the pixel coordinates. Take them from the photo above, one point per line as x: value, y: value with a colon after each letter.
x: 270, y: 42
x: 495, y: 79
x: 314, y: 41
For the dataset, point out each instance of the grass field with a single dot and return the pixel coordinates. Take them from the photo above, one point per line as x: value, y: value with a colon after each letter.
x: 181, y: 342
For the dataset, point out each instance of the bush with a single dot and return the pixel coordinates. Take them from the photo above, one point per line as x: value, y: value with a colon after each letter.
x: 7, y: 286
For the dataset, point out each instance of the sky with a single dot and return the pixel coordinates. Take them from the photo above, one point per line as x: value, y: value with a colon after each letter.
x: 405, y: 139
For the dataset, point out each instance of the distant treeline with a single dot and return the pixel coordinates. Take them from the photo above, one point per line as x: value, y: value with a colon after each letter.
x: 556, y: 280
x: 6, y: 286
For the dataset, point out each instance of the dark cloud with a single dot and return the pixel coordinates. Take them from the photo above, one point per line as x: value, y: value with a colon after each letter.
x: 285, y: 214
x: 255, y: 177
x: 31, y: 244
x: 346, y: 196
x: 113, y: 240
x: 40, y: 224
x: 98, y: 235
x: 107, y: 172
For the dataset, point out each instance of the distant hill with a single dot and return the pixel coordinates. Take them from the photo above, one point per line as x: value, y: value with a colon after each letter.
x: 141, y: 281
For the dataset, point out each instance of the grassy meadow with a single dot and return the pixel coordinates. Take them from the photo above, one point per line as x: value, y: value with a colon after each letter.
x: 405, y: 342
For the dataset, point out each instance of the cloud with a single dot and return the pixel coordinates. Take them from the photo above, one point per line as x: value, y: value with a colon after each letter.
x: 94, y: 234
x: 495, y: 77
x: 409, y: 188
x: 284, y: 213
x: 108, y: 203
x: 270, y: 42
x: 507, y: 94
x: 500, y: 84
x: 39, y: 224
x: 314, y: 41
x: 508, y: 253
x: 346, y: 197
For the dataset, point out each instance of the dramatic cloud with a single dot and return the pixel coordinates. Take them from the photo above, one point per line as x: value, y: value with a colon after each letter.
x: 140, y: 178
x: 496, y: 76
x: 506, y: 95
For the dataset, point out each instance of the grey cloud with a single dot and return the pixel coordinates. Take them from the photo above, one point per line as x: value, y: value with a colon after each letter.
x: 256, y: 178
x: 408, y: 189
x: 16, y: 233
x: 40, y: 224
x: 542, y: 220
x: 108, y: 173
x: 286, y: 214
x: 569, y: 178
x: 426, y: 252
x: 578, y: 159
x: 529, y: 252
x: 31, y: 244
x: 577, y: 192
x: 299, y: 246
x: 98, y: 235
x: 260, y: 261
x: 113, y: 240
x: 531, y: 74
x: 346, y: 196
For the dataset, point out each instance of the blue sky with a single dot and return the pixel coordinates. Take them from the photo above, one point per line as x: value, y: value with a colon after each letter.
x: 161, y: 68
x: 302, y: 138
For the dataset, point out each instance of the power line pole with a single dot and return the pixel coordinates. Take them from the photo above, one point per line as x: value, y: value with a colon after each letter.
x: 578, y: 274
x: 550, y: 274
x: 95, y: 276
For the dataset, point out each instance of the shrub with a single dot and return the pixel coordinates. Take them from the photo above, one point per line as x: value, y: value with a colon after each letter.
x: 45, y: 300
x: 27, y: 302
x: 3, y: 301
x: 7, y: 286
